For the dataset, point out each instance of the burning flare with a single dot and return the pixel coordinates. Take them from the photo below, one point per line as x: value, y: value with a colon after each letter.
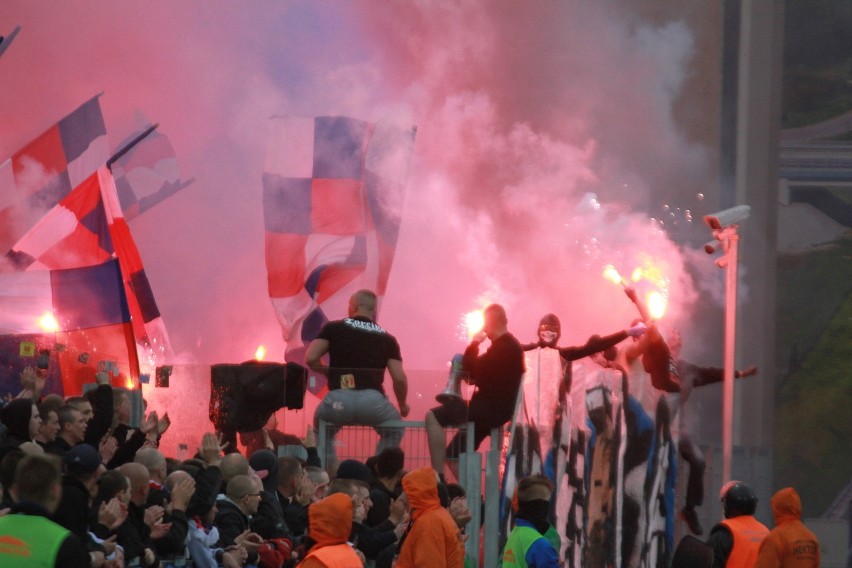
x: 260, y: 353
x: 48, y: 323
x: 656, y: 303
x: 646, y: 276
x: 611, y: 274
x: 473, y: 322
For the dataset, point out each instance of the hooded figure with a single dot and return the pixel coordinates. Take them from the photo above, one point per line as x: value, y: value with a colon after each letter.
x: 790, y: 544
x: 265, y: 461
x: 329, y: 524
x: 549, y: 331
x: 547, y: 380
x: 22, y: 423
x: 432, y: 539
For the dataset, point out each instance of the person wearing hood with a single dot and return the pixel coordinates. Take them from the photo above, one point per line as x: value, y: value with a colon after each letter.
x: 22, y: 420
x: 329, y: 524
x: 527, y: 544
x: 433, y: 539
x: 790, y: 544
x: 550, y: 365
x: 548, y: 378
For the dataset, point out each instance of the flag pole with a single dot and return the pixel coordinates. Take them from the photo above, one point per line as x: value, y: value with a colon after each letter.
x: 5, y: 42
x: 127, y: 147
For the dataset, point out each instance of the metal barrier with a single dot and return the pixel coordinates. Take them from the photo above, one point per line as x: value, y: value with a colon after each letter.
x: 360, y: 443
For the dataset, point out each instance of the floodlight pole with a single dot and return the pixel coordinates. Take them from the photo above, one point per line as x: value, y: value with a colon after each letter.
x: 730, y: 240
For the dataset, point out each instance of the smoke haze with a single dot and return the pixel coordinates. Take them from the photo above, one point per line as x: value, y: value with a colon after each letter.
x: 547, y: 148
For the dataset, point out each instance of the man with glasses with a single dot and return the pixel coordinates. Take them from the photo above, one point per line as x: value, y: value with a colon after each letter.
x: 242, y: 498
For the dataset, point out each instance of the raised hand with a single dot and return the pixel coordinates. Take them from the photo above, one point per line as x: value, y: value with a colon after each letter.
x: 637, y: 329
x: 460, y: 511
x: 150, y: 423
x: 748, y: 371
x: 153, y: 515
x: 267, y: 441
x: 310, y: 440
x: 249, y: 540
x: 182, y: 494
x: 107, y: 448
x: 160, y: 529
x: 109, y: 545
x: 398, y: 509
x: 28, y: 379
x: 211, y: 448
x: 163, y: 424
x: 112, y: 514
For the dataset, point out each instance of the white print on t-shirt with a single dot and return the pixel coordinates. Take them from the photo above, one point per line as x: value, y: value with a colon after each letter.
x: 364, y: 325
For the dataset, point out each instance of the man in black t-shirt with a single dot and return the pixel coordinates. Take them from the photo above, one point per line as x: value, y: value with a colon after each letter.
x: 359, y: 351
x: 497, y: 374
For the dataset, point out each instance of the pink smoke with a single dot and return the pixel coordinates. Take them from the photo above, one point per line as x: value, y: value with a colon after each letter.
x: 546, y: 133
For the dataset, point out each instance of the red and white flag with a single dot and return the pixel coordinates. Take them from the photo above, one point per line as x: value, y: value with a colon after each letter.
x: 333, y: 191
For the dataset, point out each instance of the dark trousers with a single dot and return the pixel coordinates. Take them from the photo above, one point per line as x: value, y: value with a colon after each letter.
x: 690, y: 452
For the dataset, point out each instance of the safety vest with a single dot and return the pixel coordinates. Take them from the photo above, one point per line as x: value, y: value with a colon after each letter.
x: 29, y: 541
x: 748, y: 533
x: 336, y: 556
x: 519, y: 542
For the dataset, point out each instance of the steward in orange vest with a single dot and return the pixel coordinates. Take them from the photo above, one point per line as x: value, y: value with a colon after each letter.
x: 736, y: 540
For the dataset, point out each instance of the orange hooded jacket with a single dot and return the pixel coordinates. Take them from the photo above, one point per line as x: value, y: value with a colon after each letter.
x: 434, y: 539
x: 329, y: 524
x: 790, y: 544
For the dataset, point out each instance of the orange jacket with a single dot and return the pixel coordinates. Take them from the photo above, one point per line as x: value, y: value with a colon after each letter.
x: 434, y: 539
x: 329, y: 524
x: 790, y: 544
x: 748, y: 533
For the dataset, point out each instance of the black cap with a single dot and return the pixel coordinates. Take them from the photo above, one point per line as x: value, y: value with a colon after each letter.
x: 353, y: 469
x: 82, y: 459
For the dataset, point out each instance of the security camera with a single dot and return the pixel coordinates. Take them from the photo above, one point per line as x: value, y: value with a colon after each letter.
x: 722, y: 219
x: 710, y: 247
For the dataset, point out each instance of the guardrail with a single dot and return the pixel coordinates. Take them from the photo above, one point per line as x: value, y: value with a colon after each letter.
x: 360, y: 442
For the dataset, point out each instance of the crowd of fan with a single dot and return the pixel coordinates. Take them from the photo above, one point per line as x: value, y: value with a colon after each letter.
x: 96, y: 492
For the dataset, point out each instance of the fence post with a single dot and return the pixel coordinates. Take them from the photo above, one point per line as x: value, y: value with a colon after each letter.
x: 321, y: 442
x: 492, y: 500
x: 470, y: 476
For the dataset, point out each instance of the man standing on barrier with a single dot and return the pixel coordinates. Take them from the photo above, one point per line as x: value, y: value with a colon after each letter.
x: 359, y: 351
x: 497, y: 375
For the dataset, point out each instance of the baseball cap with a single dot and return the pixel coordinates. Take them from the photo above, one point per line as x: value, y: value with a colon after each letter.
x: 82, y: 459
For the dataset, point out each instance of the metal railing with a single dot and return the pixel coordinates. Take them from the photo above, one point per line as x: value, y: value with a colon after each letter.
x: 360, y: 442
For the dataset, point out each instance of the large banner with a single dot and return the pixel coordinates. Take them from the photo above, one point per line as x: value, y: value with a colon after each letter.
x: 333, y: 191
x: 608, y: 448
x: 42, y: 173
x: 147, y: 173
x: 76, y: 280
